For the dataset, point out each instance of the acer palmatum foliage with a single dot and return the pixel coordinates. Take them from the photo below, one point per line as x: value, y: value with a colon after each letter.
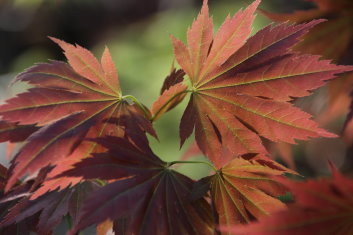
x: 322, y: 206
x: 332, y: 39
x: 246, y: 82
x: 88, y: 141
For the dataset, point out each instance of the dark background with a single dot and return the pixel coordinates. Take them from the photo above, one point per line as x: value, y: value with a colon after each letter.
x: 27, y: 23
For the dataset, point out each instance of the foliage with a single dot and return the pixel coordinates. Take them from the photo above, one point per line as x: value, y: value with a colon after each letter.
x: 86, y: 154
x: 321, y: 206
x: 332, y: 39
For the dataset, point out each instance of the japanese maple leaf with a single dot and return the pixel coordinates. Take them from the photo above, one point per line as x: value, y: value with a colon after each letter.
x: 50, y: 207
x: 322, y: 206
x: 145, y: 196
x: 333, y: 40
x: 70, y: 102
x: 240, y: 86
x: 244, y: 190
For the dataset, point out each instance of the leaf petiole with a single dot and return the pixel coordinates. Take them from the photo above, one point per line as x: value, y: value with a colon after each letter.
x: 136, y: 101
x: 192, y: 162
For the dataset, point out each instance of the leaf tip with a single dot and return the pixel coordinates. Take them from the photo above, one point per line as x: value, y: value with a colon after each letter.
x: 315, y: 22
x: 56, y: 40
x: 255, y: 4
x: 171, y: 36
x: 204, y: 3
x: 326, y: 134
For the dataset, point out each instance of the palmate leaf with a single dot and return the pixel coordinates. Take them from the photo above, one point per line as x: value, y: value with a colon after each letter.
x: 243, y: 190
x: 70, y: 103
x: 53, y: 182
x: 144, y: 196
x: 321, y: 207
x: 241, y: 86
x: 331, y: 39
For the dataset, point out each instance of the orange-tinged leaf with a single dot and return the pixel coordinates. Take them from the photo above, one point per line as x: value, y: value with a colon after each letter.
x: 182, y: 55
x: 288, y: 77
x: 168, y: 100
x: 246, y: 96
x: 331, y: 39
x: 57, y: 139
x: 85, y: 64
x: 173, y: 91
x: 128, y: 125
x: 243, y: 190
x: 110, y: 71
x: 322, y: 206
x: 70, y: 103
x: 199, y: 37
x: 230, y: 37
x: 52, y: 182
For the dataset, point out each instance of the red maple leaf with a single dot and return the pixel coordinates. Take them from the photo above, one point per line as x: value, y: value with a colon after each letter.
x: 322, y: 206
x: 240, y: 86
x: 70, y: 103
x: 143, y: 190
x: 331, y: 39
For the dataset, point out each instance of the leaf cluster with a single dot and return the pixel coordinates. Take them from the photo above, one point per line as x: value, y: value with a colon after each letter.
x: 86, y: 154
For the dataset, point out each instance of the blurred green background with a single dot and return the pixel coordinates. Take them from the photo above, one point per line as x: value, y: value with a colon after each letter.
x: 137, y: 34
